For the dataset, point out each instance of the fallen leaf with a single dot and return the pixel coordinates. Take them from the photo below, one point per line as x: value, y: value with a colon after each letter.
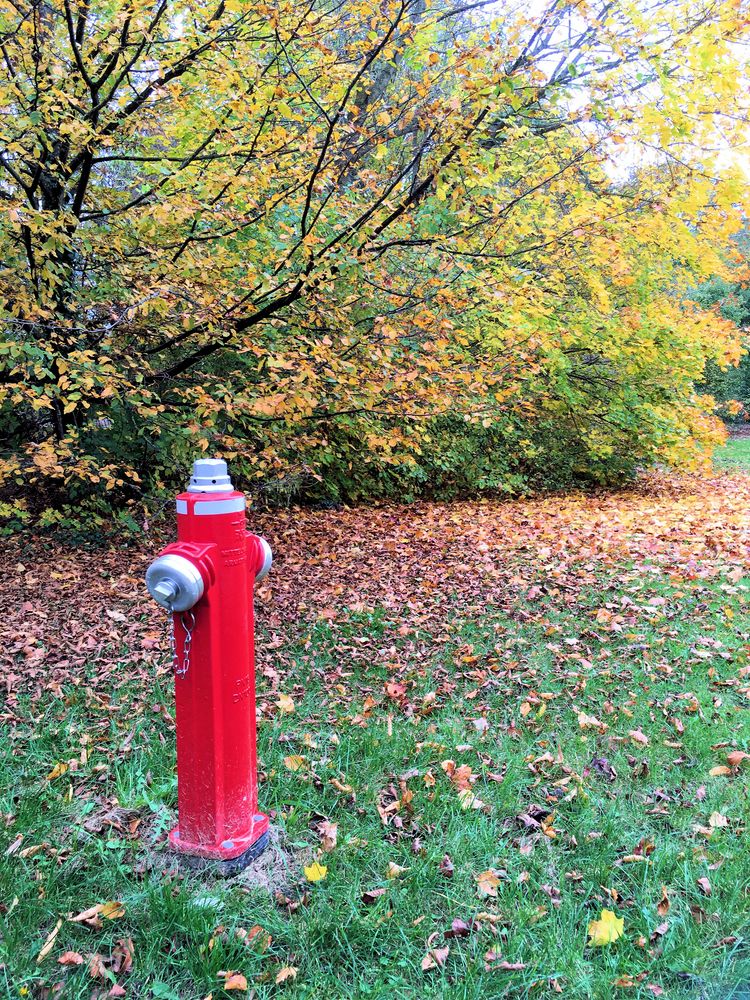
x: 469, y: 800
x: 591, y: 722
x: 122, y: 956
x: 315, y: 872
x: 735, y: 758
x: 704, y: 885
x: 258, y: 936
x: 97, y: 968
x: 662, y: 907
x: 49, y: 942
x: 328, y: 835
x: 446, y: 866
x: 638, y: 737
x: 294, y: 763
x: 459, y: 928
x: 487, y: 883
x: 717, y: 820
x: 86, y: 915
x: 235, y: 981
x: 71, y: 958
x: 461, y: 776
x: 14, y: 846
x: 659, y: 932
x: 494, y: 960
x: 285, y: 704
x: 289, y: 972
x: 371, y: 895
x: 720, y: 770
x: 395, y: 690
x: 394, y: 871
x: 59, y: 769
x: 435, y: 958
x: 341, y: 787
x: 606, y: 930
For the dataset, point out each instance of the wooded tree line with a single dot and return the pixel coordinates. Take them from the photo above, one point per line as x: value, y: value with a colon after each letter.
x: 730, y: 386
x: 361, y: 248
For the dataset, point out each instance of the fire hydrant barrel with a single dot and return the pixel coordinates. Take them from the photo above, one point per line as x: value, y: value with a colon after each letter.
x: 215, y: 689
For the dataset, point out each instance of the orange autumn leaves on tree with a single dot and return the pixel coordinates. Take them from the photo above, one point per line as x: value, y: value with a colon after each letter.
x: 299, y: 236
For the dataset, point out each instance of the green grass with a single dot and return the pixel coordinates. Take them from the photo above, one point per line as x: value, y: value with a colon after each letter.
x: 734, y: 454
x: 666, y: 661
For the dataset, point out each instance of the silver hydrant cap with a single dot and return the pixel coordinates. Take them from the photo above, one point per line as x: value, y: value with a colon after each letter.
x: 174, y: 582
x: 210, y: 475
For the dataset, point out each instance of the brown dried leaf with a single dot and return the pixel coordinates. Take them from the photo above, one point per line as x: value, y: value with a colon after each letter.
x: 328, y: 835
x: 372, y: 895
x: 446, y: 866
x: 71, y: 958
x: 287, y: 974
x: 435, y: 958
x: 487, y: 883
x: 49, y: 942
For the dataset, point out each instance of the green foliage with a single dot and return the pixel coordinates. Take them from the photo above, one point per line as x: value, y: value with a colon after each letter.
x: 731, y: 298
x: 405, y: 261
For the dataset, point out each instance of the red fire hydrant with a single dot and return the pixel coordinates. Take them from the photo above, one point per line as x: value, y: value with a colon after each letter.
x: 206, y: 581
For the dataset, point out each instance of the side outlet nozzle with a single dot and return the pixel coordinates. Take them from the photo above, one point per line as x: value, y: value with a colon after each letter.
x: 174, y: 582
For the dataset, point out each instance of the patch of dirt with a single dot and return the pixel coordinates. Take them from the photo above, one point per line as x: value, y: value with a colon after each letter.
x: 277, y: 870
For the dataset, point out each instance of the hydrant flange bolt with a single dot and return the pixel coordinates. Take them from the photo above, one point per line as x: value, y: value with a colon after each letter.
x: 174, y: 582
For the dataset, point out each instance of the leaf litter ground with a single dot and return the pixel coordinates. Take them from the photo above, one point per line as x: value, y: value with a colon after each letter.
x: 506, y: 741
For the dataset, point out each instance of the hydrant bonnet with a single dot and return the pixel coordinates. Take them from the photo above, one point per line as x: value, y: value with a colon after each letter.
x: 210, y: 475
x: 174, y: 582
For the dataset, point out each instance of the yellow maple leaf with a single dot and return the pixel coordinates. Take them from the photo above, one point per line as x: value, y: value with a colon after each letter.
x: 607, y: 929
x: 315, y: 872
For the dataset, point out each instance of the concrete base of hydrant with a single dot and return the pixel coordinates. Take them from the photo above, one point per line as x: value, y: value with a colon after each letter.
x: 229, y: 867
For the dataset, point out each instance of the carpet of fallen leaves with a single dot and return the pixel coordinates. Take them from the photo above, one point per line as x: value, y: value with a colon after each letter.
x: 68, y: 609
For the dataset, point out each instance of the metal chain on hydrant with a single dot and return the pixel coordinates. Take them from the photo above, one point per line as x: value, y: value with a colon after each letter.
x: 187, y: 620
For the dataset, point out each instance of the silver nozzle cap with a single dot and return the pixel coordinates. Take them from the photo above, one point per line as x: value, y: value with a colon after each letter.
x: 174, y: 582
x: 267, y: 561
x: 210, y: 475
